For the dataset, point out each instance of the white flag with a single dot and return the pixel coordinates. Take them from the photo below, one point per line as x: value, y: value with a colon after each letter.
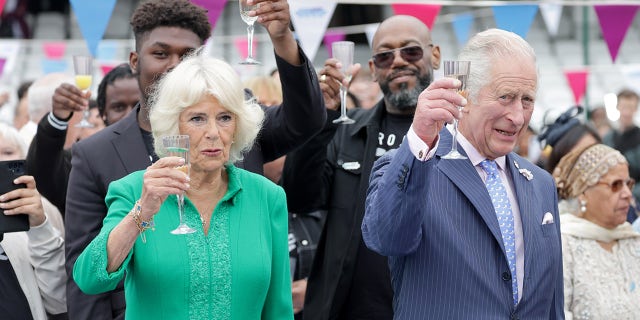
x: 310, y: 19
x: 551, y: 13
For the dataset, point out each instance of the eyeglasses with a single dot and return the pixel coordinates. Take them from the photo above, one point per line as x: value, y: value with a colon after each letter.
x: 410, y: 54
x: 617, y: 185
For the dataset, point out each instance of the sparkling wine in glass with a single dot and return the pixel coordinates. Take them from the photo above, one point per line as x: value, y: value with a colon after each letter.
x: 83, y: 67
x: 457, y: 70
x: 250, y: 21
x: 343, y: 52
x: 178, y: 146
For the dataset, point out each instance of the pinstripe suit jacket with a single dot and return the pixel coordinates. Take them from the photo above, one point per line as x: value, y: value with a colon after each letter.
x: 435, y: 222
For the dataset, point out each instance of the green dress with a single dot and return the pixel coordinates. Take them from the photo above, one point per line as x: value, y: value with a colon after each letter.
x: 239, y: 270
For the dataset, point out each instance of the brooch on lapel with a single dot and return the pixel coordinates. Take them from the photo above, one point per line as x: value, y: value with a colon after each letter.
x: 525, y: 172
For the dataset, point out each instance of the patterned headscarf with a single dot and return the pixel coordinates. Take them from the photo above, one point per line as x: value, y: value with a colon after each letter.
x: 581, y: 169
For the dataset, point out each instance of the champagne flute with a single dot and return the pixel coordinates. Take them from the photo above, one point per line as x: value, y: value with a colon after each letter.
x: 343, y: 52
x: 250, y: 21
x: 83, y: 66
x: 178, y: 146
x: 457, y: 70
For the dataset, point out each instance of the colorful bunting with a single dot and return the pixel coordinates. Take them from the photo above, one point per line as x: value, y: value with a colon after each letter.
x: 54, y: 50
x: 2, y: 63
x: 427, y: 13
x: 462, y: 27
x: 51, y: 66
x: 310, y: 19
x: 515, y: 18
x: 106, y: 67
x: 551, y: 14
x: 331, y: 37
x: 614, y: 23
x: 93, y: 17
x: 214, y: 8
x: 578, y: 82
x: 370, y: 31
x: 2, y: 3
x: 107, y: 50
x: 241, y: 44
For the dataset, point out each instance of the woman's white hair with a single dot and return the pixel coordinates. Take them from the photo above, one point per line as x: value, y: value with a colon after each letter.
x: 488, y: 48
x: 13, y: 137
x: 191, y: 80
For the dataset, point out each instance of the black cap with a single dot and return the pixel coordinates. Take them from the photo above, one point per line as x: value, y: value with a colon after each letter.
x: 552, y: 133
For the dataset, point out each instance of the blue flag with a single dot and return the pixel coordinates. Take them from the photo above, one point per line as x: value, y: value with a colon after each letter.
x: 93, y: 18
x: 515, y: 18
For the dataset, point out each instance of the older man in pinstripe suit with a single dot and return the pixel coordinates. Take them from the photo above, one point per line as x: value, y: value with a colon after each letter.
x: 476, y: 238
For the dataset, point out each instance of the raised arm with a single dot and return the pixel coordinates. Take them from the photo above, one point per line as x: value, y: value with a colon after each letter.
x: 302, y: 113
x: 47, y: 161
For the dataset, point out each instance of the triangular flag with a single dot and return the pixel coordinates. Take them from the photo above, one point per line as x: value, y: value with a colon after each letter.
x: 331, y: 37
x: 310, y: 19
x: 2, y: 3
x: 462, y: 26
x: 106, y: 67
x: 370, y: 31
x: 427, y: 13
x: 614, y: 23
x: 551, y: 14
x: 93, y: 17
x: 51, y: 66
x: 631, y: 76
x: 578, y: 82
x: 2, y: 62
x: 515, y: 18
x: 107, y: 50
x: 214, y: 8
x: 242, y: 45
x: 54, y: 50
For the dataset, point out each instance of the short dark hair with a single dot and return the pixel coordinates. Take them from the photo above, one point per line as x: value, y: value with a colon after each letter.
x: 121, y: 71
x: 568, y: 141
x: 24, y: 88
x: 170, y: 13
x: 628, y: 93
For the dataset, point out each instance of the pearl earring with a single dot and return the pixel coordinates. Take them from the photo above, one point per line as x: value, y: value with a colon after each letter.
x: 583, y: 206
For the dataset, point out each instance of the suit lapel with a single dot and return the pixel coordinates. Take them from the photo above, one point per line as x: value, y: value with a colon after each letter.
x: 524, y: 193
x: 128, y: 143
x: 464, y: 175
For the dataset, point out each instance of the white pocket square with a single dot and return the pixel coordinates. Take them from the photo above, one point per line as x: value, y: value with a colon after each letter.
x: 547, y: 219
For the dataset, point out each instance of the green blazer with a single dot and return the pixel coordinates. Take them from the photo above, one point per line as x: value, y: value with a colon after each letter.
x: 239, y: 270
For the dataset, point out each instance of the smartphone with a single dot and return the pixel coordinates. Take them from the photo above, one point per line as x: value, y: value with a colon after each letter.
x: 9, y: 171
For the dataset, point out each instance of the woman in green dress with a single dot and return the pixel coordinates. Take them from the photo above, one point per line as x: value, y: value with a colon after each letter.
x: 236, y: 264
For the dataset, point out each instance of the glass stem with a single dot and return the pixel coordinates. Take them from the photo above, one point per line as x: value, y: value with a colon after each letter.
x: 181, y: 207
x: 454, y: 143
x: 250, y: 38
x: 343, y: 101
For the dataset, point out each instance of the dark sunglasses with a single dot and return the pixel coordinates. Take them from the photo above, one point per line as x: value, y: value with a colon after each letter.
x: 617, y: 185
x: 384, y: 59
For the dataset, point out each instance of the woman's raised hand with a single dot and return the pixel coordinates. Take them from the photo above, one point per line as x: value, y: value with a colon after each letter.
x: 161, y: 180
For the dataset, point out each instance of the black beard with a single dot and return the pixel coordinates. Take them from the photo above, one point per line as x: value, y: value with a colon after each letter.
x: 405, y: 99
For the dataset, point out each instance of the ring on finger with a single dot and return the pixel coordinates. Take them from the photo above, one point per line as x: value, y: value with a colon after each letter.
x: 323, y: 78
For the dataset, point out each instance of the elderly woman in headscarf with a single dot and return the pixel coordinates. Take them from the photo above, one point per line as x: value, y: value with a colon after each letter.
x: 601, y: 252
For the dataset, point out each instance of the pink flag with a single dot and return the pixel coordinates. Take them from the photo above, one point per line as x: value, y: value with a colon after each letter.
x: 614, y: 23
x: 2, y: 3
x: 427, y: 13
x: 578, y: 83
x: 331, y: 37
x: 2, y: 62
x: 214, y: 8
x: 241, y: 44
x: 54, y: 50
x: 106, y: 67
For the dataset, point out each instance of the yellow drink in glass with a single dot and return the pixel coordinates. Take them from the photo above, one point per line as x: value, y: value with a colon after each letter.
x: 83, y: 82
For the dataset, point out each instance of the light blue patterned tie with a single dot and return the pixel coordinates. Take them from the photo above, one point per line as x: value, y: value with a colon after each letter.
x: 505, y: 218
